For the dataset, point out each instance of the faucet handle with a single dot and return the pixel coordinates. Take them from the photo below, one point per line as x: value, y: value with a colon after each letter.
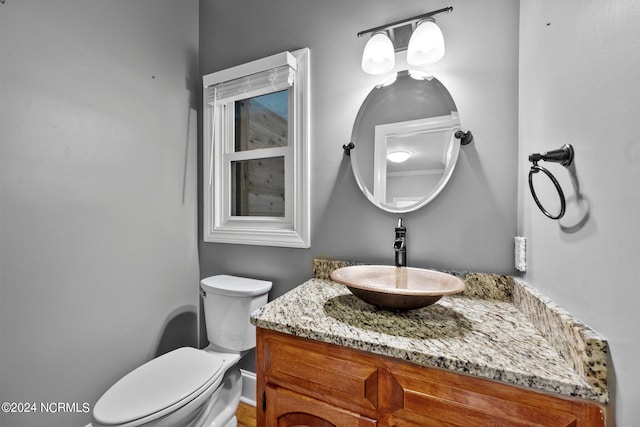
x: 400, y: 245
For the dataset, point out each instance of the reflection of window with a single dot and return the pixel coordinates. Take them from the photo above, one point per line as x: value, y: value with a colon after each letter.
x: 256, y: 188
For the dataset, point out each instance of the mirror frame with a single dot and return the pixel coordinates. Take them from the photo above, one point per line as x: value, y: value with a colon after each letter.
x: 447, y: 123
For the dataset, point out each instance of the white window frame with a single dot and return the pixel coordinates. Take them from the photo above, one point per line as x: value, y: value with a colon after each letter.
x: 292, y: 230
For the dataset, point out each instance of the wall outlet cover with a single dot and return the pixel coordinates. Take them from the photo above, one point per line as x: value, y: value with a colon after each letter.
x: 520, y: 253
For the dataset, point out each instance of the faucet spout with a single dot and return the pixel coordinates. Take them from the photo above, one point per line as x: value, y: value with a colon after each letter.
x: 400, y: 245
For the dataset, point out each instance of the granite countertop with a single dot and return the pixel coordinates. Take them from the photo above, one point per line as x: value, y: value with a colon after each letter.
x: 499, y: 328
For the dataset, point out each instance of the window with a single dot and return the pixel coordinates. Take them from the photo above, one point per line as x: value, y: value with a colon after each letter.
x: 256, y: 152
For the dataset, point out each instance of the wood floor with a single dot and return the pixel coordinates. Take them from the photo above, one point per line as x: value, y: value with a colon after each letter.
x: 246, y: 415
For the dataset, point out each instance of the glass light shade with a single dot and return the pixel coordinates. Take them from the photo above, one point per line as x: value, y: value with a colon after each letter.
x: 399, y: 156
x: 379, y: 55
x: 426, y: 44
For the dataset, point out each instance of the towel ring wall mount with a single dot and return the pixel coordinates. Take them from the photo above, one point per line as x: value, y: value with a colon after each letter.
x: 563, y: 155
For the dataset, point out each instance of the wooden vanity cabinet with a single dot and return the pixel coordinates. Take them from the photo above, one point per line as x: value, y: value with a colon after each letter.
x: 287, y: 408
x: 303, y: 382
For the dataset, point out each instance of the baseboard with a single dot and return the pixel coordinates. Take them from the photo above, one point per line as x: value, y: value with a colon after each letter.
x: 248, y: 387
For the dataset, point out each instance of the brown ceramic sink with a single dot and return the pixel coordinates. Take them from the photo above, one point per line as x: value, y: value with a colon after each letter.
x: 397, y: 288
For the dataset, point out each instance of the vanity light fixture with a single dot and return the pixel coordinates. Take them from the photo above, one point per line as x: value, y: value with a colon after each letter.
x: 398, y: 156
x: 379, y: 56
x: 418, y: 35
x: 426, y: 45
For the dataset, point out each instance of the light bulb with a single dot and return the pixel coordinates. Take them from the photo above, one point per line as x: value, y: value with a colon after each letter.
x: 426, y: 44
x: 398, y: 156
x: 379, y: 56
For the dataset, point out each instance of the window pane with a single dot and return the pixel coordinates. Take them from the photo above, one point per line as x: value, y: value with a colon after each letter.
x: 262, y: 121
x: 257, y: 187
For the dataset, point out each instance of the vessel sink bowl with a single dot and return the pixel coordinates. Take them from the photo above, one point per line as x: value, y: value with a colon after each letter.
x: 397, y: 288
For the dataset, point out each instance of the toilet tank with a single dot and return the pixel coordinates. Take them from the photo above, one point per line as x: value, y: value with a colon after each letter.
x: 228, y: 303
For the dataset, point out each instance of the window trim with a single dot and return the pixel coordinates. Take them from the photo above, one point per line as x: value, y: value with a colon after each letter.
x: 292, y: 230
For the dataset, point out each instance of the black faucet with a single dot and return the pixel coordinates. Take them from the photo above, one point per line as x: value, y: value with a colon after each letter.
x: 400, y: 245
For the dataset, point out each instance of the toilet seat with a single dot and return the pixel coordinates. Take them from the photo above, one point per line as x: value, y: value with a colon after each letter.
x: 159, y: 387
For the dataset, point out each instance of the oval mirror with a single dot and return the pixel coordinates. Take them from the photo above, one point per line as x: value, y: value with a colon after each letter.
x: 405, y: 149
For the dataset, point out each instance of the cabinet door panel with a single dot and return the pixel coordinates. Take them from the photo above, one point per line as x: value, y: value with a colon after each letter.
x: 287, y: 409
x: 352, y: 384
x: 462, y: 407
x: 314, y: 384
x: 323, y: 370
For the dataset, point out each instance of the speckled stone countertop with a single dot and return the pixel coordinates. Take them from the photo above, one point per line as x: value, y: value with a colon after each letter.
x: 499, y: 328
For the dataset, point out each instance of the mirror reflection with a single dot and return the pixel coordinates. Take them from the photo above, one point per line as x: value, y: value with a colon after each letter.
x: 405, y: 148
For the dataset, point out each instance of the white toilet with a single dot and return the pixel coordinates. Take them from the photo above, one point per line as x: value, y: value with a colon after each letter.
x: 189, y: 387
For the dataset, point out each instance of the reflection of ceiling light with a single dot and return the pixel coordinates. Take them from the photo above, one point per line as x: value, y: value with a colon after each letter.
x: 398, y: 156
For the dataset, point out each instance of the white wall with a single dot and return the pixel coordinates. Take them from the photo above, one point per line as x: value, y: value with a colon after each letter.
x: 579, y: 70
x: 98, y: 194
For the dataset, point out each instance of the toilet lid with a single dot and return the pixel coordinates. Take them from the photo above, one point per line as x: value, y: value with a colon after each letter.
x: 234, y: 286
x: 157, y: 385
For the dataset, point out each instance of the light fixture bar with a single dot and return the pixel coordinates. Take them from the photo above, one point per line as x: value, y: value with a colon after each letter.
x: 405, y: 21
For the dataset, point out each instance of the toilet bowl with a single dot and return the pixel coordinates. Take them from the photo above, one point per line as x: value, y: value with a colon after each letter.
x: 188, y: 387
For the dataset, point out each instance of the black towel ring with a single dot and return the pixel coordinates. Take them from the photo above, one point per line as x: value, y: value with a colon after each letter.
x: 564, y: 156
x: 535, y: 168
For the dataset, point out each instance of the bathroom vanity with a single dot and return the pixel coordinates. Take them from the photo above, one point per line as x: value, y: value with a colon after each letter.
x: 499, y: 354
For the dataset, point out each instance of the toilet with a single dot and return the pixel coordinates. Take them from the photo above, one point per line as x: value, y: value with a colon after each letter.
x: 188, y: 387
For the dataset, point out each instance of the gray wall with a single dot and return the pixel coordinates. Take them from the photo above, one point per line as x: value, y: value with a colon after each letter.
x: 99, y: 264
x: 579, y: 69
x: 471, y: 225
